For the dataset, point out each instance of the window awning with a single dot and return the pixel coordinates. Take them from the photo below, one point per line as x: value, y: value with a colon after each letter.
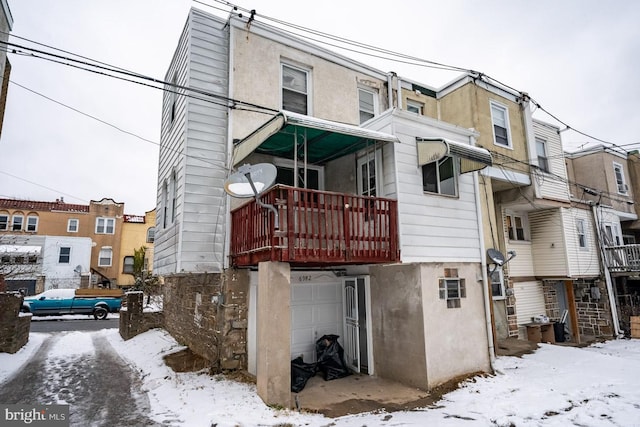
x: 325, y: 140
x: 471, y: 158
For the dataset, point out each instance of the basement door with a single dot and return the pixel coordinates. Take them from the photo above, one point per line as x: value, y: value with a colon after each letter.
x: 356, y: 339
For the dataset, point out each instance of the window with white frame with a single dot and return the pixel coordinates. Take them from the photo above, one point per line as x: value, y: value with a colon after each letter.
x: 32, y: 223
x: 497, y: 283
x: 72, y: 225
x: 165, y: 204
x: 173, y: 97
x: 105, y: 256
x: 17, y: 222
x: 543, y: 160
x: 367, y: 104
x: 311, y: 178
x: 127, y: 265
x: 105, y: 225
x: 64, y: 255
x: 151, y: 234
x: 368, y: 173
x: 4, y: 222
x: 618, y: 170
x: 500, y: 120
x: 452, y: 288
x: 415, y: 107
x: 612, y: 236
x: 516, y: 227
x: 440, y: 177
x: 582, y: 235
x: 295, y: 89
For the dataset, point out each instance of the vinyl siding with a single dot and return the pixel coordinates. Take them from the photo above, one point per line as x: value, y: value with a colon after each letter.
x: 529, y: 301
x: 433, y: 228
x: 583, y: 262
x: 551, y: 185
x: 195, y: 242
x: 547, y: 243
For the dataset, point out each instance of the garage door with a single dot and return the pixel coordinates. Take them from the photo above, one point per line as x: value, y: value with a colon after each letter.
x: 316, y: 310
x: 529, y: 301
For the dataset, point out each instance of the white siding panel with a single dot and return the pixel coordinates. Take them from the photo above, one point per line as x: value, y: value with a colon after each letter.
x: 552, y: 185
x: 433, y: 228
x: 583, y: 262
x: 529, y: 300
x: 547, y: 243
x: 522, y: 264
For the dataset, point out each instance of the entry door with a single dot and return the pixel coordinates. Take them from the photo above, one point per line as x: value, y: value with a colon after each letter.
x: 355, y: 324
x: 563, y: 303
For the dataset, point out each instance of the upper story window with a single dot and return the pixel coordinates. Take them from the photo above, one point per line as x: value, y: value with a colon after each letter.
x: 174, y: 196
x: 541, y: 149
x: 165, y: 204
x: 127, y: 265
x: 516, y: 227
x: 64, y: 255
x: 440, y: 177
x: 4, y: 222
x: 612, y: 236
x: 16, y: 225
x: 582, y: 235
x: 415, y: 107
x: 105, y: 225
x: 367, y: 104
x: 295, y: 89
x: 500, y: 120
x: 32, y: 223
x: 368, y: 173
x: 151, y: 234
x: 105, y: 256
x: 173, y: 97
x: 72, y: 225
x: 618, y: 170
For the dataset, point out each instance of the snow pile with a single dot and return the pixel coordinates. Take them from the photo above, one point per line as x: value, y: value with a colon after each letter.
x: 555, y: 386
x: 11, y: 363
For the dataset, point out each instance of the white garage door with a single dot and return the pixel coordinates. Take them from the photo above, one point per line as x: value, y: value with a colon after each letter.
x: 316, y: 310
x: 529, y: 301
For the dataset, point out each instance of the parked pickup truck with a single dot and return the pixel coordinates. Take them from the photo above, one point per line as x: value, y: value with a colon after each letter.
x: 96, y: 302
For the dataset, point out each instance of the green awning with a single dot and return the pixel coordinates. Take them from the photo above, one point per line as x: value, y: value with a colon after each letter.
x: 322, y: 140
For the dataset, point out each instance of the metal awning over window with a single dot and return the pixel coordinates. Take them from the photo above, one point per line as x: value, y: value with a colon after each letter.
x: 319, y: 140
x: 471, y: 158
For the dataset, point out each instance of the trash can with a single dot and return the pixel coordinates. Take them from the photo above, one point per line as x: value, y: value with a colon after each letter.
x: 558, y: 331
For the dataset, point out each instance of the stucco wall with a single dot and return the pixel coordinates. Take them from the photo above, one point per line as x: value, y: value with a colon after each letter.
x: 398, y: 324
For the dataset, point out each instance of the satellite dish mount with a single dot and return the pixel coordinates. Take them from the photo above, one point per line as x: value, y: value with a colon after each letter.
x: 252, y: 181
x: 498, y: 259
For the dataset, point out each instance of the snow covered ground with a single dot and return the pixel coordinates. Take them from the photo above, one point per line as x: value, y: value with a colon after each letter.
x: 555, y: 386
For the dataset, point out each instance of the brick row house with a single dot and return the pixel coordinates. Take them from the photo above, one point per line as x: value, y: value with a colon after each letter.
x: 70, y: 245
x: 392, y: 199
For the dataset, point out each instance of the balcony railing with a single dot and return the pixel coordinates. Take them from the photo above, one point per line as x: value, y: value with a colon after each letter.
x: 316, y: 228
x: 625, y: 258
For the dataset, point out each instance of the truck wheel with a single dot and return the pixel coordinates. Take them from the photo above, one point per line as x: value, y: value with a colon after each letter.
x: 100, y: 313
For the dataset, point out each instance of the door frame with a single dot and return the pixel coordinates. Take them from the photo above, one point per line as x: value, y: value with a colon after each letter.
x: 367, y: 312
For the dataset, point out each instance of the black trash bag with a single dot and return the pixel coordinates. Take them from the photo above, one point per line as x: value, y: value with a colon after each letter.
x: 330, y: 356
x: 300, y: 373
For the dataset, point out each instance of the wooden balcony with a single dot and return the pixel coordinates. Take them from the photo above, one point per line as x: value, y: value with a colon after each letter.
x: 623, y: 259
x: 316, y: 228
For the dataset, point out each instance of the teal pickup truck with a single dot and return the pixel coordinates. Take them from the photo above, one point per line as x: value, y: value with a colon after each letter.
x: 53, y: 302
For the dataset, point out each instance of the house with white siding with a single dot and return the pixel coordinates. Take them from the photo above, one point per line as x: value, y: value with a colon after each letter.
x: 373, y: 230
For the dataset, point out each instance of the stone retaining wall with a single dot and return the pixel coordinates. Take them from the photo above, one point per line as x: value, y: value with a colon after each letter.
x: 14, y: 326
x: 133, y: 319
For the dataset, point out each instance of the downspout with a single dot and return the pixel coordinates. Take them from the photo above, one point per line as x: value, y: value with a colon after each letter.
x: 607, y: 275
x: 230, y: 147
x: 390, y: 89
x: 399, y: 94
x: 485, y: 282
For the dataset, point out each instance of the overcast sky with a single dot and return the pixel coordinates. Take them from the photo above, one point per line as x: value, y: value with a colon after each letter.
x: 580, y: 59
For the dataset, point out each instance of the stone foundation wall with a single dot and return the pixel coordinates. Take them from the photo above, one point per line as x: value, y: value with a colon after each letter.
x: 14, y: 327
x: 208, y: 313
x: 133, y: 320
x: 594, y: 314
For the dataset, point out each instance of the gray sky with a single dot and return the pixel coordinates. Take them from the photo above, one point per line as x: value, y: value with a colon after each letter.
x: 580, y: 59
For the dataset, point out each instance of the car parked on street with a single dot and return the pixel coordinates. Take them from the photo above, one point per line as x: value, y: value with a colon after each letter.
x: 73, y: 301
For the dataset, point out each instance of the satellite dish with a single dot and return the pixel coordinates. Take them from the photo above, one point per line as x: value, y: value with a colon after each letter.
x: 495, y: 256
x: 251, y: 180
x: 78, y: 269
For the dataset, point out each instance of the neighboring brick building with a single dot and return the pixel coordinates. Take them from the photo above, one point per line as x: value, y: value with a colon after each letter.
x: 102, y: 221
